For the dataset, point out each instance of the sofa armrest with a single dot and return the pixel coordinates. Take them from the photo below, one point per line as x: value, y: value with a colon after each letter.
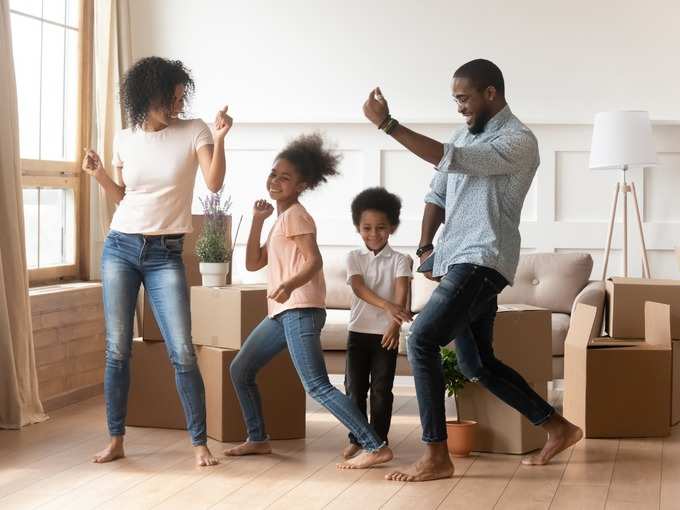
x: 593, y: 294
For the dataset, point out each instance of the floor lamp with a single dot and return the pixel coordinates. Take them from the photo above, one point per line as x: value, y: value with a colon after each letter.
x: 622, y: 140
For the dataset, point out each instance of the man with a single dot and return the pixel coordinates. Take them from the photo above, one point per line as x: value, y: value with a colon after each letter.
x: 477, y: 192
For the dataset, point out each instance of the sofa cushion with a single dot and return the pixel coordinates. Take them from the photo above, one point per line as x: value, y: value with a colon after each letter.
x: 549, y: 280
x: 334, y: 333
x: 338, y: 293
x: 560, y: 326
x: 421, y: 289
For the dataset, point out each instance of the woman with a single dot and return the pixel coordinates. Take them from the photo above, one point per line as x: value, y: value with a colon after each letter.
x: 157, y: 158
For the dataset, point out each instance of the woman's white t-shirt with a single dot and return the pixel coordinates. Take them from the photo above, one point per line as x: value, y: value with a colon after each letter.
x: 159, y: 171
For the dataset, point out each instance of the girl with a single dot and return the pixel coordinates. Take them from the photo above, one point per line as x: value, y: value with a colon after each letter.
x: 296, y: 301
x: 157, y: 158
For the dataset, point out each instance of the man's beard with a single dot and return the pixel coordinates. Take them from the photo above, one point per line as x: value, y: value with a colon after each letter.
x: 480, y: 122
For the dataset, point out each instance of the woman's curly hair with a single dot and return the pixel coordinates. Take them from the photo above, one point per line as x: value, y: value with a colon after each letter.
x: 152, y: 81
x: 313, y: 161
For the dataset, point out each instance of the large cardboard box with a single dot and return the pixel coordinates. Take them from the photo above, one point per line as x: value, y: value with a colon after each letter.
x: 523, y: 340
x: 675, y: 406
x: 500, y: 429
x: 626, y: 299
x: 619, y: 387
x: 153, y: 399
x: 225, y: 316
x: 282, y: 394
x: 149, y: 327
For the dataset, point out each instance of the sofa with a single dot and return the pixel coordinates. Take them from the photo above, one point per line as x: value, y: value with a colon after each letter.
x: 555, y: 281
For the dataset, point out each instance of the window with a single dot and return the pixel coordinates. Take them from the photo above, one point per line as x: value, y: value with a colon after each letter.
x: 51, y: 42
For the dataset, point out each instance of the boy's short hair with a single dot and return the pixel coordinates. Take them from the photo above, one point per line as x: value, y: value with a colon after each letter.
x: 376, y: 199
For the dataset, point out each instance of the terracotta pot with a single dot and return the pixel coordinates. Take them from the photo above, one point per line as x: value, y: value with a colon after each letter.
x: 461, y: 438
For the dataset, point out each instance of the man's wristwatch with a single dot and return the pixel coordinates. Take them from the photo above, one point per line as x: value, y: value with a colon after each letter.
x: 423, y: 249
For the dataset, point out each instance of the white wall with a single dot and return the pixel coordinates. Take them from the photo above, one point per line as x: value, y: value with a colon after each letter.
x: 302, y: 60
x: 294, y: 66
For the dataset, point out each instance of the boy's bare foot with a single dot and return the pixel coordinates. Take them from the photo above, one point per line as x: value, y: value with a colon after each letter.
x: 350, y: 451
x: 204, y: 457
x: 561, y: 435
x: 433, y: 465
x: 248, y: 448
x: 112, y: 452
x: 366, y: 460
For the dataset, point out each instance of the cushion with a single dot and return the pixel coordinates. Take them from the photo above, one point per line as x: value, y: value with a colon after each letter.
x: 549, y: 280
x: 560, y: 326
x: 338, y: 293
x: 334, y: 333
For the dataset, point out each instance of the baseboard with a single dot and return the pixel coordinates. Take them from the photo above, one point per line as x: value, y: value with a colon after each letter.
x: 73, y: 397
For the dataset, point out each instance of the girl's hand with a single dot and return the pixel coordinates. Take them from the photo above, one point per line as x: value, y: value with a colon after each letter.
x: 92, y: 163
x: 262, y: 210
x: 281, y: 294
x: 398, y: 313
x: 223, y: 123
x: 390, y: 339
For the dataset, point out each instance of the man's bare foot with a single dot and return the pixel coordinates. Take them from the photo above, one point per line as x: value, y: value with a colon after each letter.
x: 112, y: 452
x: 561, y: 435
x: 350, y: 451
x: 248, y: 448
x: 433, y: 465
x: 366, y: 460
x: 204, y: 457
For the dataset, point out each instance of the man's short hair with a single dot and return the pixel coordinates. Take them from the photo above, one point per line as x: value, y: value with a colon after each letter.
x: 482, y: 74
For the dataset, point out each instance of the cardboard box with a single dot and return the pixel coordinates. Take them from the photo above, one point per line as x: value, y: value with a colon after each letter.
x: 153, y: 399
x: 500, y: 429
x: 283, y: 397
x: 523, y: 340
x: 149, y: 327
x: 626, y: 299
x: 225, y: 316
x: 619, y: 387
x: 675, y: 392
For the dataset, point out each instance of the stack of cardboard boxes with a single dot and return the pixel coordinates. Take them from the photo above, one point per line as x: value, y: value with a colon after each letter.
x: 222, y: 318
x: 522, y: 340
x: 626, y: 384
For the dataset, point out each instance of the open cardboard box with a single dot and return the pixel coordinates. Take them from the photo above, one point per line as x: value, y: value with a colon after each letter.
x: 626, y: 299
x: 225, y: 316
x: 619, y: 387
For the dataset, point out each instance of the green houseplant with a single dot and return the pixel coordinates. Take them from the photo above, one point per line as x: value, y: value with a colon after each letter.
x: 461, y: 433
x: 212, y: 245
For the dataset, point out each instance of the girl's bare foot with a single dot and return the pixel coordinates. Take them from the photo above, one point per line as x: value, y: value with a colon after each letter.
x: 112, y: 452
x: 204, y: 457
x: 366, y: 460
x: 433, y: 465
x: 561, y: 435
x: 248, y: 448
x: 350, y: 451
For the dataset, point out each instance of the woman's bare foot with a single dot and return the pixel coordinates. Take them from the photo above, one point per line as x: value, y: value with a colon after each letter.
x: 350, y: 451
x: 204, y: 457
x: 366, y: 460
x: 561, y: 435
x: 433, y: 465
x: 112, y: 452
x: 248, y: 448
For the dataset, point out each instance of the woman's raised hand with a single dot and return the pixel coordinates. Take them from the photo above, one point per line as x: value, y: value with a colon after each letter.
x: 223, y: 122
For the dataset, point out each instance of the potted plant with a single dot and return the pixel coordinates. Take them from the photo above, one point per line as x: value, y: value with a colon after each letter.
x: 461, y: 433
x: 212, y: 249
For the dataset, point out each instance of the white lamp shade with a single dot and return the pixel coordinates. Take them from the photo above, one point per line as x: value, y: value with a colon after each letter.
x: 622, y: 139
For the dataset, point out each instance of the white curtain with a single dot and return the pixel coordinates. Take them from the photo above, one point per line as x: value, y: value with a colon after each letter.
x: 19, y: 398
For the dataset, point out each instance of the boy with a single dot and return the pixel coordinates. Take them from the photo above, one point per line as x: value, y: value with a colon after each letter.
x: 380, y: 279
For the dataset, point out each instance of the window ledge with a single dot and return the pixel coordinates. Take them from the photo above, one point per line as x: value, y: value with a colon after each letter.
x: 63, y: 287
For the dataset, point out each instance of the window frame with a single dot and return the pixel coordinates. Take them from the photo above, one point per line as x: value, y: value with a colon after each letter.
x: 46, y: 174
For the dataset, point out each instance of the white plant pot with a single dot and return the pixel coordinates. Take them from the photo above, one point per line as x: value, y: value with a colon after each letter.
x: 214, y: 274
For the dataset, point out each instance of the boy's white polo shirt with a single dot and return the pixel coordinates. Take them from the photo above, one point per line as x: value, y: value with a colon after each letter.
x: 380, y: 273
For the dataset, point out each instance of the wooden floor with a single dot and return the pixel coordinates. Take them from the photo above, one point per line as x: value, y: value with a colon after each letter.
x: 47, y: 466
